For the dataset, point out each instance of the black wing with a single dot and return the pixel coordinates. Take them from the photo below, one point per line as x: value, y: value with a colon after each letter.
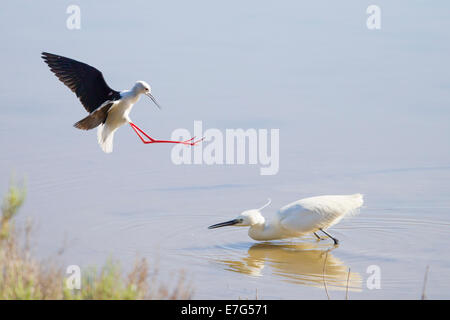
x: 86, y: 81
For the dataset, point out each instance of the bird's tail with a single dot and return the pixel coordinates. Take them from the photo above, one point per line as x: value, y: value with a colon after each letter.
x: 105, y: 138
x: 354, y: 202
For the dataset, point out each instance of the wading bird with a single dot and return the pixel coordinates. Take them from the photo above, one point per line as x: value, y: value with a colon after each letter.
x: 298, y: 218
x: 108, y: 109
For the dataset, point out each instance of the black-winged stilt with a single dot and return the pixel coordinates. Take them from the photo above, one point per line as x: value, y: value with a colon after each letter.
x: 108, y: 109
x: 298, y: 218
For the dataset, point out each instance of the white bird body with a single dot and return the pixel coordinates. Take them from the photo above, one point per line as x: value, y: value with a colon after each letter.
x: 298, y: 218
x: 118, y: 114
x: 311, y: 214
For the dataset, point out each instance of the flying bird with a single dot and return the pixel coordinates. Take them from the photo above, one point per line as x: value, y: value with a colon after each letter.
x: 108, y: 109
x: 298, y: 218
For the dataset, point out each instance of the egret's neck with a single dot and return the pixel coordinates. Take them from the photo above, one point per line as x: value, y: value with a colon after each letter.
x: 264, y: 231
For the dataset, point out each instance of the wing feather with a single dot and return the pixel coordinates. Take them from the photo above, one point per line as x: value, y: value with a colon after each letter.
x: 310, y: 214
x: 85, y: 81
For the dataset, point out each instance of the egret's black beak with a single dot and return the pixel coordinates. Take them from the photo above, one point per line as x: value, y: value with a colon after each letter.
x: 148, y: 94
x: 224, y: 224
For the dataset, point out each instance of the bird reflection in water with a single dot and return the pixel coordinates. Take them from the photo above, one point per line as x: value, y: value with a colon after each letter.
x: 300, y: 263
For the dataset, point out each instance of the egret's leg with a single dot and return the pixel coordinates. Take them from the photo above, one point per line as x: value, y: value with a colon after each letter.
x: 317, y: 236
x: 336, y: 241
x: 139, y: 131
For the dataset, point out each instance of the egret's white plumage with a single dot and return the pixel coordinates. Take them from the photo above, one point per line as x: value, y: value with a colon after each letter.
x: 298, y: 218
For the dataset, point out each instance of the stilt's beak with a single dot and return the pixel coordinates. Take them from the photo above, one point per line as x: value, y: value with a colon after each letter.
x: 224, y: 224
x: 148, y: 94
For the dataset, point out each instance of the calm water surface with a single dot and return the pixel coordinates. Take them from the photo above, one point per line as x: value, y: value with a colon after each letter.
x: 358, y: 111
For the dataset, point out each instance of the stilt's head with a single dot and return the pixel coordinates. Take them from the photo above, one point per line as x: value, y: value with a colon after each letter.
x: 247, y: 218
x: 142, y: 87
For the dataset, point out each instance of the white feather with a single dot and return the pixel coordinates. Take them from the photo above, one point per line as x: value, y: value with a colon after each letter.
x: 118, y: 115
x: 311, y: 214
x: 105, y: 138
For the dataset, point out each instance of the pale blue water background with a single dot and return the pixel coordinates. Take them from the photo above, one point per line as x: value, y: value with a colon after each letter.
x: 358, y: 111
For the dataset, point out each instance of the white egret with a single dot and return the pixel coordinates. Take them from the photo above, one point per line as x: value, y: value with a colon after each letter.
x: 298, y: 218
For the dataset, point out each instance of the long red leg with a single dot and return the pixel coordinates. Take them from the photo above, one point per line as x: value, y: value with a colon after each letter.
x: 151, y: 140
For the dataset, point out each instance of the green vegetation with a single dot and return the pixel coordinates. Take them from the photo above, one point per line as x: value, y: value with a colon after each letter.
x: 24, y: 277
